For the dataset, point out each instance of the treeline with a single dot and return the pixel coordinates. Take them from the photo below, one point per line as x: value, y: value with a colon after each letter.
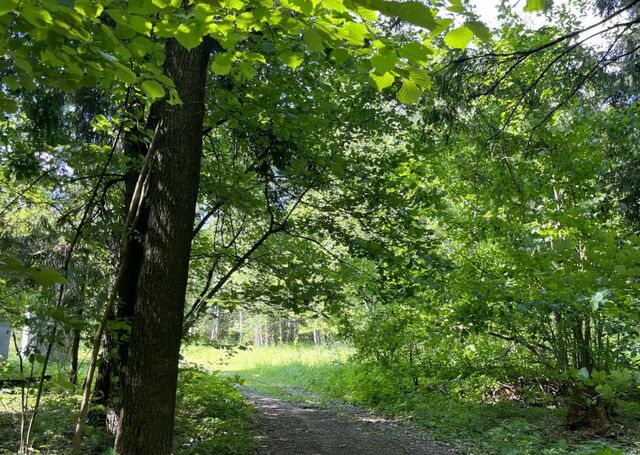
x: 259, y: 329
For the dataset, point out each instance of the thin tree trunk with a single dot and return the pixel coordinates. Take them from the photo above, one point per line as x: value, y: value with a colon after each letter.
x: 75, y: 347
x: 587, y: 408
x: 116, y: 342
x: 148, y: 399
x: 77, y: 335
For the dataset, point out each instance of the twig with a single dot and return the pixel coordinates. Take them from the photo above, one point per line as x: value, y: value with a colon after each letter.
x: 67, y: 260
x: 133, y: 215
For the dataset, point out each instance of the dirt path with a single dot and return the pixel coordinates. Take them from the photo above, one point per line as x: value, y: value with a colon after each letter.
x: 299, y: 429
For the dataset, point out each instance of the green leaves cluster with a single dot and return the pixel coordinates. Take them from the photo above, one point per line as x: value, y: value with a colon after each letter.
x: 101, y: 43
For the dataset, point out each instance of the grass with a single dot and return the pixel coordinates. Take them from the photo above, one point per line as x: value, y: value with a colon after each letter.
x: 458, y: 417
x: 277, y: 370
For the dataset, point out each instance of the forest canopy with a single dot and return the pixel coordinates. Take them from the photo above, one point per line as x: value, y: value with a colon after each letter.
x: 452, y: 194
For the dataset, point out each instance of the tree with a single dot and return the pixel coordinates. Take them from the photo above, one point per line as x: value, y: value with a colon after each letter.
x: 115, y: 41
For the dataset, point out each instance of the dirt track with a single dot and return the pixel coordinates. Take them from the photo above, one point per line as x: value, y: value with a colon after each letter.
x: 294, y: 429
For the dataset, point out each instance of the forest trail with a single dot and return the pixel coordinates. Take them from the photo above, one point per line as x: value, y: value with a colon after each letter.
x: 286, y: 428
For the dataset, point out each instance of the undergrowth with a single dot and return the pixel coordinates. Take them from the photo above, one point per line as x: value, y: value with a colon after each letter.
x: 211, y: 416
x: 465, y: 412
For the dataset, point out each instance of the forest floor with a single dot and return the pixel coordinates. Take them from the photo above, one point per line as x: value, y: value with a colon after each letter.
x: 289, y: 427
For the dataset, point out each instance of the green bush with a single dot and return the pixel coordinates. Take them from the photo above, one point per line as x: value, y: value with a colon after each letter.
x: 211, y: 415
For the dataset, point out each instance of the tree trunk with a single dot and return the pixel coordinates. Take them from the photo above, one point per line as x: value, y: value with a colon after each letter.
x: 103, y: 374
x: 111, y: 372
x: 76, y: 336
x: 75, y: 346
x: 149, y: 392
x: 215, y: 328
x: 587, y: 411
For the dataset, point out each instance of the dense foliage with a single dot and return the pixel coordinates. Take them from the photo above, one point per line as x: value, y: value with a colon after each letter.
x: 458, y: 203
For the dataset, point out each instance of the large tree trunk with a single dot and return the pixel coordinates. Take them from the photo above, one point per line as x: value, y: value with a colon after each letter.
x: 148, y: 406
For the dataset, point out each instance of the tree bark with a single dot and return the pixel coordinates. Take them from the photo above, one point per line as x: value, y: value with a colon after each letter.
x: 148, y: 399
x: 75, y: 346
x: 587, y: 410
x: 76, y: 337
x: 111, y: 373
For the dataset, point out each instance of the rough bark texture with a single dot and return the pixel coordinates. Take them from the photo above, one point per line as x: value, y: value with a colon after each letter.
x: 587, y: 410
x: 75, y: 346
x: 148, y: 406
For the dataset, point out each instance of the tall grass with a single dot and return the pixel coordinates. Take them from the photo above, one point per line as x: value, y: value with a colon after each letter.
x: 291, y: 370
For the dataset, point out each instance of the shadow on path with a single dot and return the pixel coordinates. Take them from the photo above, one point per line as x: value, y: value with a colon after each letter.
x: 294, y: 429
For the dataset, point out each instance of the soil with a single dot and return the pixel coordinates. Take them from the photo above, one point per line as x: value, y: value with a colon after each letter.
x: 285, y: 428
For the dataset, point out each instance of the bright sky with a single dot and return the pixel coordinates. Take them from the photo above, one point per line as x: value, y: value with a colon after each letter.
x: 488, y: 12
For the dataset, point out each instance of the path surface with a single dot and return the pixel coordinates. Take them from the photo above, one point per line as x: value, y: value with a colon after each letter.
x: 300, y: 429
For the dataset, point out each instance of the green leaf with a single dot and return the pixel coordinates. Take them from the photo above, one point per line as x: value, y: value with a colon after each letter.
x: 458, y: 38
x: 409, y: 92
x: 189, y: 37
x: 480, y: 30
x: 353, y: 33
x: 291, y: 59
x: 87, y: 9
x: 413, y: 12
x: 382, y: 82
x: 583, y: 373
x: 334, y: 5
x: 124, y: 74
x: 222, y: 64
x: 313, y: 40
x: 8, y: 105
x: 46, y: 56
x: 536, y: 5
x: 235, y: 4
x: 255, y: 57
x: 7, y: 6
x: 154, y: 89
x: 38, y: 17
x: 12, y: 82
x: 47, y: 277
x: 27, y: 82
x: 140, y: 24
x: 384, y: 63
x: 247, y: 71
x: 420, y: 77
x: 415, y: 53
x: 340, y: 54
x: 304, y: 6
